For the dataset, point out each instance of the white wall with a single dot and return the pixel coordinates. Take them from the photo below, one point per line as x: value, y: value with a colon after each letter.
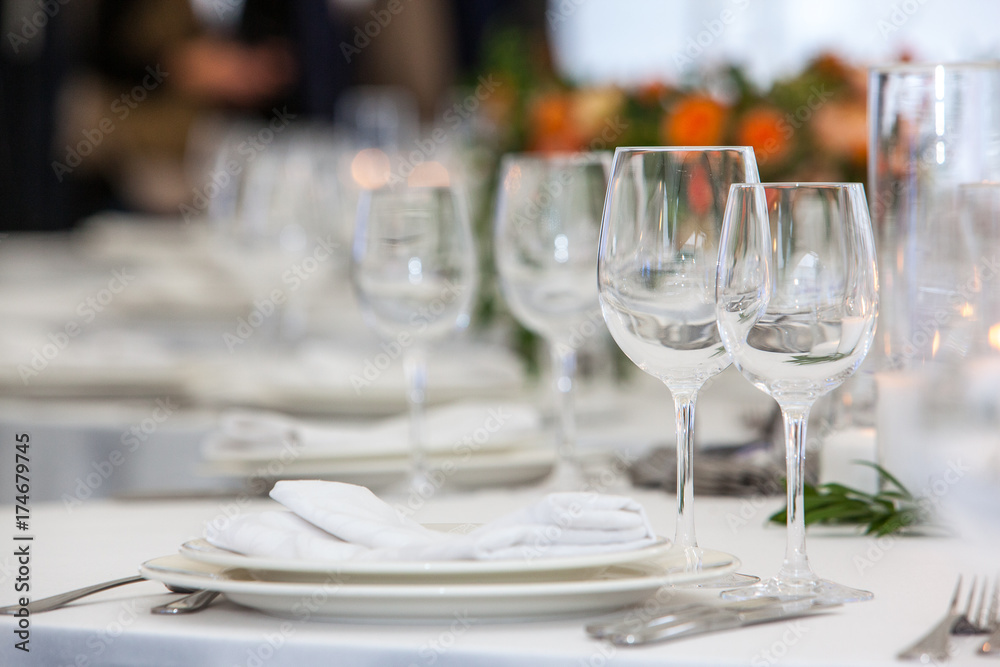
x: 632, y: 41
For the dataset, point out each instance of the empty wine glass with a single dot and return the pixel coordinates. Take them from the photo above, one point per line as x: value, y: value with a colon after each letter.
x: 414, y: 270
x: 797, y: 302
x: 547, y: 227
x: 657, y: 271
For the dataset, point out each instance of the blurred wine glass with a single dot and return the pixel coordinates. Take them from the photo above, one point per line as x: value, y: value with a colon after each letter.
x: 546, y: 233
x: 414, y: 270
x: 797, y: 302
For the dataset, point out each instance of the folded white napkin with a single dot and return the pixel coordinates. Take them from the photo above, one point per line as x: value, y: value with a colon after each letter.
x: 487, y: 426
x: 337, y: 521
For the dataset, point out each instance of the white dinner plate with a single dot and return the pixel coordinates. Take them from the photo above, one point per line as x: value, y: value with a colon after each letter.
x: 306, y: 597
x: 519, y: 465
x: 204, y: 552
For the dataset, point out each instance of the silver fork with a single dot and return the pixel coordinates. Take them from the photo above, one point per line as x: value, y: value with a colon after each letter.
x: 978, y: 620
x: 936, y: 644
x: 63, y: 599
x: 992, y: 645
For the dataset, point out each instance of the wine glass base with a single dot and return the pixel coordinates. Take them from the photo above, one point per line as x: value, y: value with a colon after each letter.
x: 820, y: 590
x: 694, y: 557
x: 732, y: 580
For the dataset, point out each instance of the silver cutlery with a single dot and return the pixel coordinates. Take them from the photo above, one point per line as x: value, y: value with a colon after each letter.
x: 935, y: 645
x: 692, y: 619
x: 188, y: 604
x: 982, y: 619
x: 62, y: 599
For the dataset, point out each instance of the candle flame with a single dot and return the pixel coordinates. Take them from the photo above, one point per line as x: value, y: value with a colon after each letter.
x: 994, y: 336
x: 428, y: 175
x: 935, y: 344
x: 371, y: 168
x: 967, y: 310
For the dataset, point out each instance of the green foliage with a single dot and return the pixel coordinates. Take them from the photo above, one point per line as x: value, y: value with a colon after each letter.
x: 883, y: 513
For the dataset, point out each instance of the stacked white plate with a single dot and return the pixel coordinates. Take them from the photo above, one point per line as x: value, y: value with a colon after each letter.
x: 467, y: 444
x: 428, y: 591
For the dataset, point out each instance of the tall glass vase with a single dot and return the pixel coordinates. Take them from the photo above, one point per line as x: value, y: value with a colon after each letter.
x: 934, y: 130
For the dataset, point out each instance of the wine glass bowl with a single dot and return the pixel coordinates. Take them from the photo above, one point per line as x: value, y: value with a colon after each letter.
x: 797, y: 305
x: 656, y: 274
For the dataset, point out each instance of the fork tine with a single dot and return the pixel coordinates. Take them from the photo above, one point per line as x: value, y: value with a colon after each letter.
x: 972, y: 596
x: 980, y: 617
x: 992, y: 620
x: 954, y: 596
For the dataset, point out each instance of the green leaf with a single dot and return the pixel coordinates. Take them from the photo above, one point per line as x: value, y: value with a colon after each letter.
x: 807, y: 359
x: 884, y: 474
x: 835, y: 504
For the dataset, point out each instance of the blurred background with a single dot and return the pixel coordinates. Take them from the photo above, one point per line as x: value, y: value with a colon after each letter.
x: 179, y: 181
x: 117, y: 104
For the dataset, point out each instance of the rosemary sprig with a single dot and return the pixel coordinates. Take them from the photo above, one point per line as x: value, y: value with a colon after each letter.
x: 883, y: 513
x: 806, y: 359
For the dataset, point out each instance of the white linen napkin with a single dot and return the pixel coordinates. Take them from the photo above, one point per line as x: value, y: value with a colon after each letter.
x: 337, y: 521
x: 244, y: 436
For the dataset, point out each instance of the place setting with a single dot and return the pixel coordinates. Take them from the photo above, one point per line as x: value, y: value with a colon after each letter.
x: 444, y: 334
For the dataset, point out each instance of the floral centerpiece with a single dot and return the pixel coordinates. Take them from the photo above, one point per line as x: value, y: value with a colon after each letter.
x: 806, y: 127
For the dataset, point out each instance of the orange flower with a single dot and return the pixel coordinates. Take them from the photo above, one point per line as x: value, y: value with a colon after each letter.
x: 551, y: 126
x: 697, y: 120
x: 841, y: 130
x: 651, y: 94
x: 766, y: 130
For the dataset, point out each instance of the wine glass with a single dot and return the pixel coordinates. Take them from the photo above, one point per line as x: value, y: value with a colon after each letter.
x: 547, y: 226
x: 414, y: 270
x: 656, y: 273
x: 797, y: 302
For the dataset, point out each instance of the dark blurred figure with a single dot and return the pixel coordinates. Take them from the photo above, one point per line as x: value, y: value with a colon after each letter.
x: 33, y: 62
x: 99, y: 98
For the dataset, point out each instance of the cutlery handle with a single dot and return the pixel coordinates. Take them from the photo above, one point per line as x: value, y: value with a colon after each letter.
x: 716, y: 622
x: 934, y: 646
x: 188, y: 604
x: 56, y: 601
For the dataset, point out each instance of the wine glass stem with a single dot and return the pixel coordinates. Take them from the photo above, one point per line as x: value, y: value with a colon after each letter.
x: 564, y: 372
x: 796, y: 564
x: 684, y: 405
x: 415, y: 369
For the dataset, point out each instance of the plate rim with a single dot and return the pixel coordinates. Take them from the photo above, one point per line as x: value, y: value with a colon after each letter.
x: 215, y: 578
x: 201, y: 550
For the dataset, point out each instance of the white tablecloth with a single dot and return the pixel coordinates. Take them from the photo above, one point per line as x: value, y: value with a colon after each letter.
x: 912, y: 579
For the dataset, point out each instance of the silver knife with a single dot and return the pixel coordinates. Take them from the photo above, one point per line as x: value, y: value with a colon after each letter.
x: 721, y: 618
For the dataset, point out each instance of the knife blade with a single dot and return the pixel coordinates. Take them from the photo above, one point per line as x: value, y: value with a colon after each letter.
x: 721, y: 618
